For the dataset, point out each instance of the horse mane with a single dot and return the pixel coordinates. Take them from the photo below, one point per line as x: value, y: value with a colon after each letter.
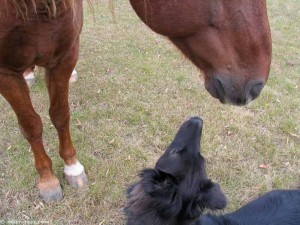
x: 22, y: 7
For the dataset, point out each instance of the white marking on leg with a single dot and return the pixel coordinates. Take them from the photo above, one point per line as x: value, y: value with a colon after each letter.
x: 74, y: 77
x: 30, y: 76
x: 74, y: 170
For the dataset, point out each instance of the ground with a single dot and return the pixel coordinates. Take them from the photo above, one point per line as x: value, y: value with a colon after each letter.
x: 134, y: 91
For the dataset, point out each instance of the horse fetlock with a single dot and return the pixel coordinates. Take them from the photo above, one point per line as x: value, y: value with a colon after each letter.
x: 69, y: 156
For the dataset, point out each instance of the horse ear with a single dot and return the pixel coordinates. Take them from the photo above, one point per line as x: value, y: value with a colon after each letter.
x: 158, y: 184
x: 212, y: 197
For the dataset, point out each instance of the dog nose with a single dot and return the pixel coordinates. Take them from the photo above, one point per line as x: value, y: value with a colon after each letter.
x: 196, y: 120
x: 232, y: 91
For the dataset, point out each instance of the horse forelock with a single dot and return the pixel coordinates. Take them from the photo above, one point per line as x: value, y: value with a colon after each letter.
x: 23, y: 7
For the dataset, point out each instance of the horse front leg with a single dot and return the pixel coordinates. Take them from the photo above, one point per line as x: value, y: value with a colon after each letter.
x: 15, y: 91
x: 57, y: 79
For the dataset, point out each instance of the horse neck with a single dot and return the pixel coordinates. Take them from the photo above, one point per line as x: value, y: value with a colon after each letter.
x: 180, y: 18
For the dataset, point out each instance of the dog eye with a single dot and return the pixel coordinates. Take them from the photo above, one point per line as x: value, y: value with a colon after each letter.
x: 176, y: 150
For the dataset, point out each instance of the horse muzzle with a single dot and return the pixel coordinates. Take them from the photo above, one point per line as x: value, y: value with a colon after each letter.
x: 230, y: 91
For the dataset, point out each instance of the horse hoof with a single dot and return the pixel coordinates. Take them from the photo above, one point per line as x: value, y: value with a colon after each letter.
x: 50, y: 191
x: 52, y: 195
x: 79, y: 181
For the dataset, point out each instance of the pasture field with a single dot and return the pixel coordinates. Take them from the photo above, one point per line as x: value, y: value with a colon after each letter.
x: 134, y: 91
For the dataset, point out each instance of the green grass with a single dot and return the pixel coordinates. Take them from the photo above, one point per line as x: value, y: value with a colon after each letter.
x: 134, y: 91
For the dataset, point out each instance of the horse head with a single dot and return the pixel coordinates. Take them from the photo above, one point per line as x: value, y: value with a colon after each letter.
x: 229, y: 41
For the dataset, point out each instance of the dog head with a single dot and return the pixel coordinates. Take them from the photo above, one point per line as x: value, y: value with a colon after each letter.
x: 177, y: 190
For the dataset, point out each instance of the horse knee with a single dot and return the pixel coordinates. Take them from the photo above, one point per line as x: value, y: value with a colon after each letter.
x: 31, y: 128
x: 60, y: 120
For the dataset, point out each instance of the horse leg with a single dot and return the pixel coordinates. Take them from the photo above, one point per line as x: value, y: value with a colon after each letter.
x: 16, y: 92
x: 57, y: 80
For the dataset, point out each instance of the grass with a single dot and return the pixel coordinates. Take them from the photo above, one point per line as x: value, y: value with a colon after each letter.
x: 134, y: 91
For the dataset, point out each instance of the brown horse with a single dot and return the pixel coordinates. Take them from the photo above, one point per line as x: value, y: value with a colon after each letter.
x: 43, y: 33
x: 229, y: 41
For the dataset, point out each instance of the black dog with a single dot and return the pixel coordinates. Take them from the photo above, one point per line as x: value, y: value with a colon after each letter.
x: 177, y: 191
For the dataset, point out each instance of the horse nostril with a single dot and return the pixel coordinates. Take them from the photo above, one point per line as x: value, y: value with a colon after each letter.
x: 256, y: 88
x: 241, y: 101
x: 234, y: 91
x: 220, y: 89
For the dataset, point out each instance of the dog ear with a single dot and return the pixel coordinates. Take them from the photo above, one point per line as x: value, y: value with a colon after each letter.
x: 163, y: 188
x: 191, y: 211
x: 209, y: 196
x: 212, y: 197
x: 159, y: 184
x: 130, y: 190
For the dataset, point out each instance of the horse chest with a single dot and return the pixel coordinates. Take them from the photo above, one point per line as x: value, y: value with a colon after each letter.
x: 39, y: 43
